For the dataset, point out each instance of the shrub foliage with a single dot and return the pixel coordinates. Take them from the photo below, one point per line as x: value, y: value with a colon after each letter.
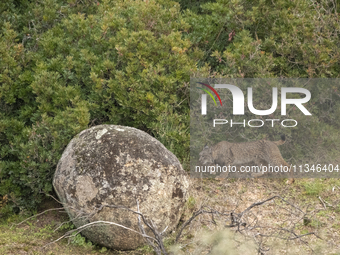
x: 68, y: 65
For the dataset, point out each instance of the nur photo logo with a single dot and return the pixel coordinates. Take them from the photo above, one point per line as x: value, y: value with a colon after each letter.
x: 238, y: 108
x: 275, y: 128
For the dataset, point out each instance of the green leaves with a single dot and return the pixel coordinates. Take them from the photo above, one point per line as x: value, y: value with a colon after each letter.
x: 68, y: 65
x: 122, y: 62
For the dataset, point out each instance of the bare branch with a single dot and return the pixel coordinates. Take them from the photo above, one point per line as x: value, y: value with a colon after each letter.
x: 97, y: 223
x: 53, y: 209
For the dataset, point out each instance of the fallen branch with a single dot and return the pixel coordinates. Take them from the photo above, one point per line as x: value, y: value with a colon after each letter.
x: 53, y: 209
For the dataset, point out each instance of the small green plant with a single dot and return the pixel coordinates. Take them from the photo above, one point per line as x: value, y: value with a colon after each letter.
x: 322, y: 213
x: 304, y: 231
x: 191, y: 202
x: 81, y: 241
x: 313, y: 188
x: 67, y: 226
x: 103, y: 250
x: 316, y: 223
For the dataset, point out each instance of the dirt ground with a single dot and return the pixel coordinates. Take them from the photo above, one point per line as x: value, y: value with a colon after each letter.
x: 301, y: 218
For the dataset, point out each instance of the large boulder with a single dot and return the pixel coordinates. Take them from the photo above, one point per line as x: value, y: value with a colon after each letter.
x: 117, y: 165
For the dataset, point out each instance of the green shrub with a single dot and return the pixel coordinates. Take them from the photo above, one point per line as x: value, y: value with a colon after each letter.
x: 263, y: 38
x: 117, y: 62
x: 281, y: 39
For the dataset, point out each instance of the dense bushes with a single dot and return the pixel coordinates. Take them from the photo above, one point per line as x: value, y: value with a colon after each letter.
x: 68, y: 65
x: 117, y: 65
x: 266, y: 38
x: 281, y: 39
